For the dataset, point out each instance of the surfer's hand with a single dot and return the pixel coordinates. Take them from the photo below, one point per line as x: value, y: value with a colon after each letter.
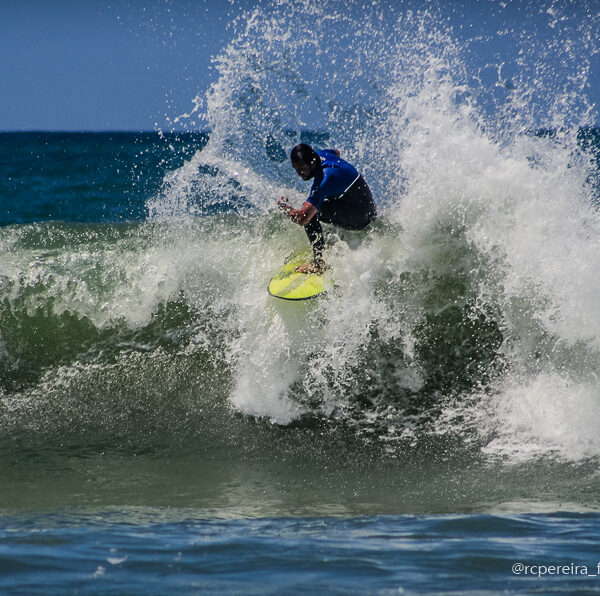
x: 283, y: 204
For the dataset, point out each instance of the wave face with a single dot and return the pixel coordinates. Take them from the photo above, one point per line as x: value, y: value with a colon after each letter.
x: 467, y: 314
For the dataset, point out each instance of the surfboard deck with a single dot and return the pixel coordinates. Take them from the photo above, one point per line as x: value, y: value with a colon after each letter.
x: 291, y: 285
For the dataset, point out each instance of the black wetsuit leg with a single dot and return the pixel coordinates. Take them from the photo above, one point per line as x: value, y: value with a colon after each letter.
x: 314, y: 231
x: 354, y: 210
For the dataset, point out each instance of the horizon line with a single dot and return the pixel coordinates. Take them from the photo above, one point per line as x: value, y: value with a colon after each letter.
x: 130, y: 130
x: 181, y: 131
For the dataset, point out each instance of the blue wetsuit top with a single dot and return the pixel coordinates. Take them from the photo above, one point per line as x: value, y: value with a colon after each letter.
x: 337, y: 176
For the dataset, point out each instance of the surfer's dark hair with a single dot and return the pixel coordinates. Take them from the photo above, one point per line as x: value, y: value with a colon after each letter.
x: 303, y: 153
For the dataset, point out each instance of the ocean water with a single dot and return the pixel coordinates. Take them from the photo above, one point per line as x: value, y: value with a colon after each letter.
x: 430, y: 426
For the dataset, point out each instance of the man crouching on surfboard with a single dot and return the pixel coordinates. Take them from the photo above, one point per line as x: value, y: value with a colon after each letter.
x: 339, y: 196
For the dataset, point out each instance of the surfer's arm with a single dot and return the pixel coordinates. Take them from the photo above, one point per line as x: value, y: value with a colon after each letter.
x: 301, y: 216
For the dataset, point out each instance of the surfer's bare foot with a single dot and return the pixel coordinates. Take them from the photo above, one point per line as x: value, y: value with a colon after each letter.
x: 310, y: 268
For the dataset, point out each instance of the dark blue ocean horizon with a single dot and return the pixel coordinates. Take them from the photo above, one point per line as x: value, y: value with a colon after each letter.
x: 108, y: 176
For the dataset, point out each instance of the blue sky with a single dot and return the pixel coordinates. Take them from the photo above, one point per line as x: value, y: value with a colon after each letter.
x: 131, y: 65
x: 98, y: 65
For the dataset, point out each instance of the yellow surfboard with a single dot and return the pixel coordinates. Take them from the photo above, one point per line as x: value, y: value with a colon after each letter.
x: 291, y: 285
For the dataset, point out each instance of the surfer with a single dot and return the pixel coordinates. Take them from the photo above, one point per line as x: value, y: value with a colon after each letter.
x: 339, y: 196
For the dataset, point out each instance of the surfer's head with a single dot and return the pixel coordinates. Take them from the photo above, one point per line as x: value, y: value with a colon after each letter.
x: 306, y: 161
